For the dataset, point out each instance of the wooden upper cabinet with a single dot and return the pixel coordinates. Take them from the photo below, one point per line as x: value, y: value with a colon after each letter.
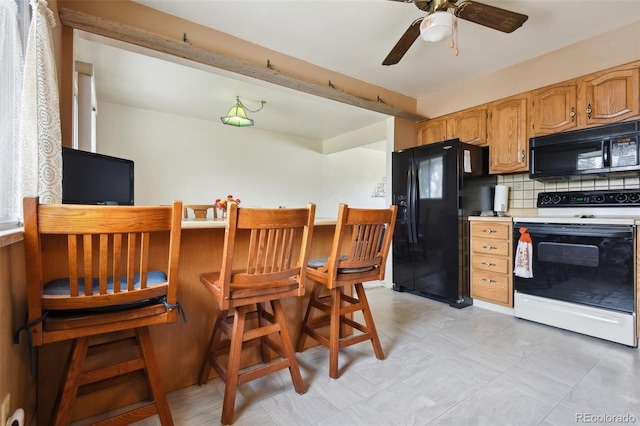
x: 595, y: 99
x: 554, y: 109
x: 432, y: 131
x: 600, y: 98
x: 507, y: 135
x: 612, y: 96
x: 469, y: 126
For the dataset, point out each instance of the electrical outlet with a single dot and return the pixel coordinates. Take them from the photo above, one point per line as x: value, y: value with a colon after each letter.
x: 6, y: 409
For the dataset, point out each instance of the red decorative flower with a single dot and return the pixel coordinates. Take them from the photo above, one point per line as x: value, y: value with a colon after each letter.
x: 221, y: 203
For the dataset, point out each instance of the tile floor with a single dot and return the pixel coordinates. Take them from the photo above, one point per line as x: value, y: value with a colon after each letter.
x: 443, y: 366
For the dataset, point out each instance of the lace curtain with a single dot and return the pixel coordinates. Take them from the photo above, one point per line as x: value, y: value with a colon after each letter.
x: 11, y: 65
x: 40, y: 145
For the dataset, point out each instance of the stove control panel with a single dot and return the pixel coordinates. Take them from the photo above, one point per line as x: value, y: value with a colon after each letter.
x: 604, y: 198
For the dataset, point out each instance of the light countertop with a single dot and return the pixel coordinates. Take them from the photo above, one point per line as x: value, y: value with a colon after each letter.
x: 511, y: 214
x: 191, y: 223
x: 491, y: 218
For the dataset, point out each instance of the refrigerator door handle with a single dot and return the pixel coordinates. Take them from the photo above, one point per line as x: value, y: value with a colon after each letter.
x: 413, y: 203
x: 409, y: 205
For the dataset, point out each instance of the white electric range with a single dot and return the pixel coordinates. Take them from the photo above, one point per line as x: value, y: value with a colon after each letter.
x: 583, y: 261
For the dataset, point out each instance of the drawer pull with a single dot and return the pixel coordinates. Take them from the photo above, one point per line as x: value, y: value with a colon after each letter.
x: 489, y: 231
x: 489, y: 247
x: 488, y: 280
x: 488, y: 264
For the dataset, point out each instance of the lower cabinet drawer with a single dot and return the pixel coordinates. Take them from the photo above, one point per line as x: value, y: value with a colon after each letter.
x: 494, y: 230
x: 491, y: 264
x: 491, y: 287
x: 488, y: 246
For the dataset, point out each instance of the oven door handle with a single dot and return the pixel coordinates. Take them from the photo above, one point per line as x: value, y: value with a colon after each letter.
x: 579, y: 230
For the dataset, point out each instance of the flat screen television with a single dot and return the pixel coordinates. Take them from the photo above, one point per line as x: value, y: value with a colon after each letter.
x: 90, y: 178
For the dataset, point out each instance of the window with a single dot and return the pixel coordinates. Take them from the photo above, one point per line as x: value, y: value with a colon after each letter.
x: 15, y: 20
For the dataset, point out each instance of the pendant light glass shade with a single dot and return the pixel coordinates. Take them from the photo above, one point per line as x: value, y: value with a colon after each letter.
x: 237, y: 116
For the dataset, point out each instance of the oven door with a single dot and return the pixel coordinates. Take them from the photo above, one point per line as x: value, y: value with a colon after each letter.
x: 590, y: 265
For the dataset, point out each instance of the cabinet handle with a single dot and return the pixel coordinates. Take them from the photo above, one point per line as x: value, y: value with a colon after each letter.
x: 522, y: 156
x: 589, y: 110
x: 489, y: 231
x: 488, y: 264
x: 488, y: 247
x: 488, y: 280
x: 572, y: 114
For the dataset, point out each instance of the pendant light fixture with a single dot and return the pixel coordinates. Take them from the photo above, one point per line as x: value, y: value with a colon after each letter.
x: 237, y: 115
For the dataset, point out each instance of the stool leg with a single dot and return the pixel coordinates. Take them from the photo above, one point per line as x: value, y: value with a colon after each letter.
x: 214, y: 341
x: 287, y: 347
x: 368, y: 318
x: 71, y: 381
x: 334, y: 332
x: 343, y: 327
x: 262, y: 322
x: 307, y: 317
x: 233, y: 368
x: 154, y: 377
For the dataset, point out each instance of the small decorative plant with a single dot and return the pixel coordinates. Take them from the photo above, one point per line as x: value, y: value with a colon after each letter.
x: 221, y: 203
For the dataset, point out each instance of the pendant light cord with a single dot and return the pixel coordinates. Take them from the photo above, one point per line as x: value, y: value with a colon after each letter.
x: 244, y: 107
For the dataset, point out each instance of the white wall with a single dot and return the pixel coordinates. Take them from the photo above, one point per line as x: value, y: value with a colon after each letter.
x: 198, y: 161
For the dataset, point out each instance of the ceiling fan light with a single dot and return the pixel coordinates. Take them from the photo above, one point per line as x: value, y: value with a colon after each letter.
x: 436, y: 26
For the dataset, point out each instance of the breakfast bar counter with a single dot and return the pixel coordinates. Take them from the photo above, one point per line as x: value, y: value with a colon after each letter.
x: 191, y: 223
x: 180, y: 346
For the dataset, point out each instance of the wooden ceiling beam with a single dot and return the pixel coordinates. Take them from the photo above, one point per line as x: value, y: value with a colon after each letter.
x: 115, y: 29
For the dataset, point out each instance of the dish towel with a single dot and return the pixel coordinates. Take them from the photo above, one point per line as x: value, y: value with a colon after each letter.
x: 524, y: 255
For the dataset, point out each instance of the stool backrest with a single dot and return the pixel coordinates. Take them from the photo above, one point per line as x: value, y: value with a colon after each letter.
x: 361, y: 243
x: 276, y: 255
x: 94, y: 259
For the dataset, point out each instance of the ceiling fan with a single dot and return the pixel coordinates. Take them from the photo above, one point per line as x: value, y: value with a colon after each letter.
x: 479, y: 13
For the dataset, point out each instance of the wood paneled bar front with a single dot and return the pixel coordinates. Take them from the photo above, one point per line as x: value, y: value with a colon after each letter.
x: 179, y: 346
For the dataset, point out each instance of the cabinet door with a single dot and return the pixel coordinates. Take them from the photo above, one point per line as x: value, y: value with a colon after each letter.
x: 508, y: 139
x: 469, y: 126
x: 433, y: 131
x: 554, y: 109
x: 612, y: 96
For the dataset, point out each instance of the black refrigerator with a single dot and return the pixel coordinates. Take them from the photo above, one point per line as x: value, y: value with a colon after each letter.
x: 436, y: 187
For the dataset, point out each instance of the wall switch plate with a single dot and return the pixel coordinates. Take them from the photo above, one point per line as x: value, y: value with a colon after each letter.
x: 6, y: 409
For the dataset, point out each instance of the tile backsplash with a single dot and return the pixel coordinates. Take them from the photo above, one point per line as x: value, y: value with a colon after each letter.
x: 523, y: 192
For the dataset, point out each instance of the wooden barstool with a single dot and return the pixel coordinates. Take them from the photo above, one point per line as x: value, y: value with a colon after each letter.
x: 359, y: 254
x: 200, y: 210
x: 104, y: 280
x: 271, y: 268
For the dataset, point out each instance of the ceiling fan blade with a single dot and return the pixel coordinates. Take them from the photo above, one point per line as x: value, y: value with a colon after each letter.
x: 405, y: 42
x: 490, y: 16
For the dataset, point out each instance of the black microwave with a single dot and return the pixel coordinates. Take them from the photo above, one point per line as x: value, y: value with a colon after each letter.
x: 610, y: 150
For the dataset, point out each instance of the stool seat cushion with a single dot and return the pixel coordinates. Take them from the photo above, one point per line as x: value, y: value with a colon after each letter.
x: 322, y: 261
x: 61, y: 286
